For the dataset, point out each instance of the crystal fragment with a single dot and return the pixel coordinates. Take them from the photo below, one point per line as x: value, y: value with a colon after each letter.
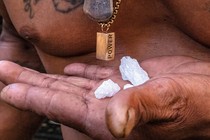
x: 107, y: 89
x: 132, y: 71
x: 127, y: 86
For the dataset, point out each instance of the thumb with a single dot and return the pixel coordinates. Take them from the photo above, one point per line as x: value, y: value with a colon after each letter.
x: 141, y: 105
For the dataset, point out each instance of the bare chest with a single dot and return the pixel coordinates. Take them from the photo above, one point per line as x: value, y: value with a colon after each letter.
x: 55, y: 26
x: 60, y: 28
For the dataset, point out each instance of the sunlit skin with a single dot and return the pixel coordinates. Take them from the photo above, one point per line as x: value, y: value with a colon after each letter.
x: 169, y: 38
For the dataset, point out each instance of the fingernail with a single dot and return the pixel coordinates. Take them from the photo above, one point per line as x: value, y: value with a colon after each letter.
x: 3, y: 93
x: 116, y: 121
x: 131, y: 122
x: 122, y: 123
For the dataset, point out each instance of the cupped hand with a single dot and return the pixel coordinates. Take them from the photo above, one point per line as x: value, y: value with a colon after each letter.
x: 66, y: 99
x: 173, y: 104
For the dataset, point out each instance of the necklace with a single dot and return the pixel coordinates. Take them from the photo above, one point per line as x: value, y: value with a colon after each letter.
x: 105, y: 14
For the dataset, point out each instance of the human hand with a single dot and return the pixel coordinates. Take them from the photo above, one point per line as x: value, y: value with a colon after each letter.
x: 166, y: 107
x: 174, y: 104
x: 65, y: 99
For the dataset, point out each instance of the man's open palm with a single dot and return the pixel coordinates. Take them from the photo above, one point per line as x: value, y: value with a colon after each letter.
x: 173, y: 104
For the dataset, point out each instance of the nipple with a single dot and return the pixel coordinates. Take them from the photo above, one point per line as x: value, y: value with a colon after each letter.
x: 98, y: 10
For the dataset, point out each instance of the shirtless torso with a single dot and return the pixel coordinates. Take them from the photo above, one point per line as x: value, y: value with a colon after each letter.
x: 62, y: 34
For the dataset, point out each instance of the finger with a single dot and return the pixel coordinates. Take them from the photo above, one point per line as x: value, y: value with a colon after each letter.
x: 88, y: 71
x: 9, y: 71
x: 151, y: 102
x: 56, y: 105
x: 77, y: 81
x: 16, y: 73
x: 45, y: 81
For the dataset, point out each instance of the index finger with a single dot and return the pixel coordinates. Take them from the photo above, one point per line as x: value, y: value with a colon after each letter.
x: 13, y: 73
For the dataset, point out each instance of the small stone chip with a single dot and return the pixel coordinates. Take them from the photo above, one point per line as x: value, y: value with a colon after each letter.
x: 127, y: 86
x: 132, y: 71
x: 107, y: 89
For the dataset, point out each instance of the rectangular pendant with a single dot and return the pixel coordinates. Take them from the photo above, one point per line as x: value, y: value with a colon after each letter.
x: 105, y: 46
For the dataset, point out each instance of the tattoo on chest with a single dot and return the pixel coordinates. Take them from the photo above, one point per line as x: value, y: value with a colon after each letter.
x: 206, y: 6
x: 66, y: 6
x: 28, y: 6
x: 63, y: 6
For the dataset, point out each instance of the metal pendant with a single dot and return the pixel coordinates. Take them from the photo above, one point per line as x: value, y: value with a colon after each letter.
x: 105, y: 46
x: 98, y: 10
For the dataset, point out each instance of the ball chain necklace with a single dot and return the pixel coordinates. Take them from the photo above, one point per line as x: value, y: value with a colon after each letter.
x: 105, y: 14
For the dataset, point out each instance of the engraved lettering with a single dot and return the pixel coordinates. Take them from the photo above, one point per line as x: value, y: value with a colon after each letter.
x: 110, y: 46
x: 105, y: 47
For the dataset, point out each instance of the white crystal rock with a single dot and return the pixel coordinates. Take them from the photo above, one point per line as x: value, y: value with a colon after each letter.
x: 127, y: 86
x: 132, y: 71
x: 107, y: 89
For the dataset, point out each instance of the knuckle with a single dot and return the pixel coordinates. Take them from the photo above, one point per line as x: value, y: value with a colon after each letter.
x: 91, y: 84
x: 48, y: 82
x: 169, y: 98
x: 90, y: 71
x: 104, y: 72
x: 174, y: 95
x: 49, y: 111
x: 22, y: 75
